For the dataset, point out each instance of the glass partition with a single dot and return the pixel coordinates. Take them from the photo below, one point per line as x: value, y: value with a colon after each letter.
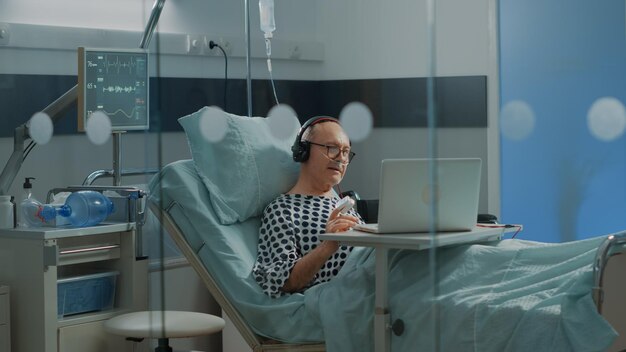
x: 397, y: 78
x: 94, y: 273
x: 452, y: 124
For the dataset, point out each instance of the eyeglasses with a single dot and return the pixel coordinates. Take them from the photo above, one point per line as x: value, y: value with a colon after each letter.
x: 333, y: 151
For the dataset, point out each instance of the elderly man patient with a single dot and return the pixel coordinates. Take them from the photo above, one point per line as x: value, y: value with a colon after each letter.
x: 291, y: 257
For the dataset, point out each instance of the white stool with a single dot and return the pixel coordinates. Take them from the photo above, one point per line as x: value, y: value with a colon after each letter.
x: 163, y: 325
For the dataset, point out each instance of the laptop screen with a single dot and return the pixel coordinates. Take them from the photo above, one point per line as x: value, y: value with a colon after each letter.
x: 411, y: 196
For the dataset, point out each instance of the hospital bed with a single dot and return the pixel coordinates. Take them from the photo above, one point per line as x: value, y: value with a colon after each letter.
x: 223, y: 266
x: 218, y: 236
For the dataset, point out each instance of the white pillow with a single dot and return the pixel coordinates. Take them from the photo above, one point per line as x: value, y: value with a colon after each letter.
x: 245, y: 170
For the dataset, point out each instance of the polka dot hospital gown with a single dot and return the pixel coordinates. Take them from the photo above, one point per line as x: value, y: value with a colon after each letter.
x: 289, y: 231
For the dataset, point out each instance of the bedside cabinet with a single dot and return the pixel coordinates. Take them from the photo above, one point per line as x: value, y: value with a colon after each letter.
x: 66, y: 282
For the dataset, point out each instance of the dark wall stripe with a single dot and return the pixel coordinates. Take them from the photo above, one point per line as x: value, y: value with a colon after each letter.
x: 401, y: 102
x: 397, y: 102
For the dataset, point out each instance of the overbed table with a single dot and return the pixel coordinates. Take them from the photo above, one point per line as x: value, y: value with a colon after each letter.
x: 413, y: 241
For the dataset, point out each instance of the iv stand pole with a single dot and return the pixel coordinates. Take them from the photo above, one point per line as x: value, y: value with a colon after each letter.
x: 57, y: 109
x: 248, y: 77
x: 117, y: 135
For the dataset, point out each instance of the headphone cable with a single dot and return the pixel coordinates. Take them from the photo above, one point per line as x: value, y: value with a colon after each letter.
x: 339, y: 193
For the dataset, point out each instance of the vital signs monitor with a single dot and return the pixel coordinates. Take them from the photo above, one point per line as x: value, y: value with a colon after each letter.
x: 115, y: 82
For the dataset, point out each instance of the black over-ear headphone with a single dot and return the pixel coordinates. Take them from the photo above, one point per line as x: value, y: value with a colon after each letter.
x: 302, y: 149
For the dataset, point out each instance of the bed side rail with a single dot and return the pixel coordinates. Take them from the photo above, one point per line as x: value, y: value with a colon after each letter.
x: 613, y: 244
x: 253, y: 340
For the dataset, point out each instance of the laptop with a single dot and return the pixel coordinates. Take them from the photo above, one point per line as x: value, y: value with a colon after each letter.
x: 405, y: 195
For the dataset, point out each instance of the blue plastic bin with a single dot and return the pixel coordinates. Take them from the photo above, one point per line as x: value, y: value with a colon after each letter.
x: 88, y: 293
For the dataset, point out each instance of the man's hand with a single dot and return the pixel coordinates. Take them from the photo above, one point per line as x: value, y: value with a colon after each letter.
x: 338, y: 222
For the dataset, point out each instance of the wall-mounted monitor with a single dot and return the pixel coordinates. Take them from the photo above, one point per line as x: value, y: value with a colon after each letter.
x: 116, y: 82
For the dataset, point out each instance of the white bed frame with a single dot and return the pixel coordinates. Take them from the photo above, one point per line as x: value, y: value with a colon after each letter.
x: 257, y: 343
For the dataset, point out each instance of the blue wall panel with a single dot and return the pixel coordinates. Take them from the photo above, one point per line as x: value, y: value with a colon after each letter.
x: 559, y: 56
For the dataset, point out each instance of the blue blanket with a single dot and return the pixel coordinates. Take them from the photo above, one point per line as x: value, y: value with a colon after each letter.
x: 509, y: 296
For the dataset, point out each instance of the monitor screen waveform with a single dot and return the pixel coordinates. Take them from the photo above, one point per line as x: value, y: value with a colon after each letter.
x: 115, y: 82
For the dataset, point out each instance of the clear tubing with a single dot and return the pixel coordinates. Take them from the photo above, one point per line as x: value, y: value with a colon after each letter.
x: 268, y: 51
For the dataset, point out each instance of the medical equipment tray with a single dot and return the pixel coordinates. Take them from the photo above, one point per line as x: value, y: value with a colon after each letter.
x: 128, y: 201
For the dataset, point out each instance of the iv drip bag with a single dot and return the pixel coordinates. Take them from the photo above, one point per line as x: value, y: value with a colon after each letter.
x: 266, y: 10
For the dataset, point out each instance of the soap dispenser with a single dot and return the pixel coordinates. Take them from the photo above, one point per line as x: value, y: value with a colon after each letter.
x: 27, y: 193
x: 33, y: 212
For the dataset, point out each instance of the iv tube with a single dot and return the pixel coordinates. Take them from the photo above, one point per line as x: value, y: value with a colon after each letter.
x: 268, y: 26
x: 268, y: 50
